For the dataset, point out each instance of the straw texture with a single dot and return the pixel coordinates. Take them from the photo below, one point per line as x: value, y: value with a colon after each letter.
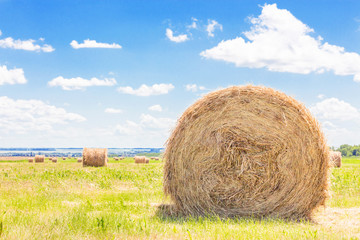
x: 247, y: 151
x: 95, y: 157
x: 141, y: 159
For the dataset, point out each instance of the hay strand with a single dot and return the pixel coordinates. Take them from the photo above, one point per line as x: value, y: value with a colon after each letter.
x: 95, y: 157
x: 247, y: 151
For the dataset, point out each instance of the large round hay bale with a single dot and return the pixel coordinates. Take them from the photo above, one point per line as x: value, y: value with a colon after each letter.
x: 95, y: 157
x: 39, y: 158
x: 335, y: 159
x: 247, y: 151
x: 140, y: 159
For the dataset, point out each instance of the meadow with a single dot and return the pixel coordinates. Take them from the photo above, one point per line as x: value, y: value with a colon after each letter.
x: 66, y: 201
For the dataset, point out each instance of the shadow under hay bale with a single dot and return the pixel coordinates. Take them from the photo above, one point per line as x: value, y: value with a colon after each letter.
x: 335, y: 159
x: 247, y: 151
x: 95, y: 157
x: 39, y: 158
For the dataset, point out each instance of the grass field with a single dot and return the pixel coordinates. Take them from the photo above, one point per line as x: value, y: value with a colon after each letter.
x: 66, y: 201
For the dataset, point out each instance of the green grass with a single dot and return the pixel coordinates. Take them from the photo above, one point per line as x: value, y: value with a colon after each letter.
x: 66, y: 201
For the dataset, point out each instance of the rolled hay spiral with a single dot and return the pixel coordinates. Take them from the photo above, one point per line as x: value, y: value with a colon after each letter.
x: 335, y: 159
x: 95, y: 157
x: 246, y: 151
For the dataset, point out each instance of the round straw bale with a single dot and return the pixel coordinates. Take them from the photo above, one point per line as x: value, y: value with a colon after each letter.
x: 247, y: 151
x: 335, y: 159
x: 116, y: 158
x: 54, y: 160
x: 147, y: 160
x: 64, y: 158
x: 156, y: 158
x: 39, y: 158
x: 140, y: 159
x: 95, y: 157
x: 31, y: 160
x: 79, y: 159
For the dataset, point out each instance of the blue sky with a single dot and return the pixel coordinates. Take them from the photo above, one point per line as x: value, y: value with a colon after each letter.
x: 119, y: 73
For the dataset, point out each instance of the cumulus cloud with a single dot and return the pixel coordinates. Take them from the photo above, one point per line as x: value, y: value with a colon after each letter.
x: 212, y: 26
x: 178, y: 39
x: 144, y: 90
x: 335, y: 109
x: 22, y: 116
x: 28, y: 45
x: 12, y: 76
x: 155, y: 108
x: 280, y: 42
x: 148, y: 121
x: 321, y: 96
x: 113, y: 110
x: 194, y: 87
x: 79, y: 83
x: 129, y: 128
x: 93, y: 44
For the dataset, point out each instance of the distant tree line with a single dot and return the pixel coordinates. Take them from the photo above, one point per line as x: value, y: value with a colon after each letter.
x: 348, y: 150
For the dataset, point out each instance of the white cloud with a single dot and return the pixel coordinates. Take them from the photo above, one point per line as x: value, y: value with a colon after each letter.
x: 22, y: 116
x: 93, y: 44
x: 178, y: 39
x: 12, y: 76
x: 113, y: 110
x: 335, y: 109
x: 321, y: 96
x: 194, y: 87
x: 280, y: 42
x: 212, y: 25
x: 79, y: 83
x: 144, y: 90
x: 28, y: 45
x: 129, y: 128
x: 193, y: 25
x: 156, y: 108
x: 148, y: 121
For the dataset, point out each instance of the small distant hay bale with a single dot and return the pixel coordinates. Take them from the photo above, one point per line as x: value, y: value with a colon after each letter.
x: 54, y: 160
x: 156, y: 158
x: 247, y: 151
x: 116, y: 158
x: 95, y: 157
x: 79, y: 160
x: 122, y: 158
x: 140, y: 159
x: 152, y: 158
x: 39, y: 158
x: 335, y: 159
x: 64, y: 158
x: 147, y: 160
x: 31, y: 160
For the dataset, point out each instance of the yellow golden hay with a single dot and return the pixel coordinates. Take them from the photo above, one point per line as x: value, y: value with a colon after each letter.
x: 247, y: 151
x: 335, y: 159
x: 95, y: 157
x: 39, y: 158
x: 140, y: 159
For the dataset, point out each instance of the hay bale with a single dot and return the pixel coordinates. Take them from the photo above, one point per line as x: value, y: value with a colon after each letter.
x: 79, y: 160
x: 140, y: 159
x: 122, y: 158
x: 247, y: 151
x: 64, y: 158
x: 147, y: 160
x: 39, y: 158
x: 116, y: 158
x: 335, y: 159
x: 156, y: 158
x: 95, y: 157
x: 31, y: 160
x: 54, y: 160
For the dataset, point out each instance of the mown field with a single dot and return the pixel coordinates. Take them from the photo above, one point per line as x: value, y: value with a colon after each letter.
x: 66, y: 201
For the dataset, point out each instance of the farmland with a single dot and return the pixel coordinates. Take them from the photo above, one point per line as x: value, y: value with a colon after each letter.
x: 66, y: 201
